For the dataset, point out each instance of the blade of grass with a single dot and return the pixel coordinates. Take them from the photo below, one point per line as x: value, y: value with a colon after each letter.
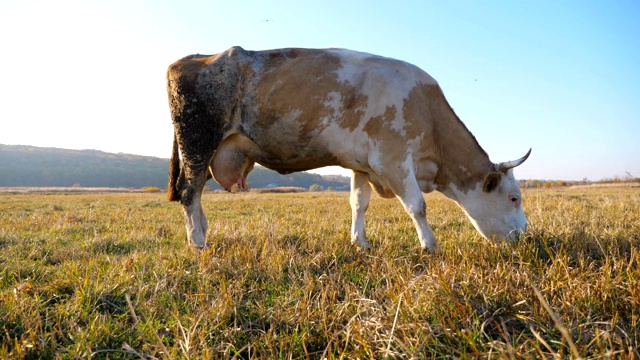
x: 559, y: 324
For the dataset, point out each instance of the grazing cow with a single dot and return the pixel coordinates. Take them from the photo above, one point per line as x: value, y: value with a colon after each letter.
x: 299, y: 109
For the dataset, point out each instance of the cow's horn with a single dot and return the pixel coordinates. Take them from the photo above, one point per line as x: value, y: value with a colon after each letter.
x: 504, y: 166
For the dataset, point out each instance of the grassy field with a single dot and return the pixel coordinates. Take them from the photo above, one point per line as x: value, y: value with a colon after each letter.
x: 110, y: 276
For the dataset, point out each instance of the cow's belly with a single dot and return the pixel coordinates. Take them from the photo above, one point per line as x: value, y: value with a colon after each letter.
x: 237, y: 153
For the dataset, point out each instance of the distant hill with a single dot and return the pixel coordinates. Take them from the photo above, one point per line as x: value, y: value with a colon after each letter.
x: 31, y: 166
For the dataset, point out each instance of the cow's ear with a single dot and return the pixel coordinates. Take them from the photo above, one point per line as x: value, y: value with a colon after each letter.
x: 491, y: 182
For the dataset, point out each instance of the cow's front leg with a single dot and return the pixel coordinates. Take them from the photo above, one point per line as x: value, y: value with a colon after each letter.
x: 360, y: 197
x: 414, y: 204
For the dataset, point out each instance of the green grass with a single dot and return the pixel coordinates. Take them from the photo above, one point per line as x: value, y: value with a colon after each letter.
x: 111, y: 276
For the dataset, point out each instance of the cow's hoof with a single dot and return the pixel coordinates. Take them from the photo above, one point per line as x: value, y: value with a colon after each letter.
x: 434, y: 250
x: 198, y: 246
x: 361, y: 244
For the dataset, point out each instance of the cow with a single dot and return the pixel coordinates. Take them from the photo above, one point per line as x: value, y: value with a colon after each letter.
x: 298, y: 109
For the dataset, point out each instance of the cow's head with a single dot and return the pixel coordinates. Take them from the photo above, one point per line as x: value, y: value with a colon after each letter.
x: 495, y: 205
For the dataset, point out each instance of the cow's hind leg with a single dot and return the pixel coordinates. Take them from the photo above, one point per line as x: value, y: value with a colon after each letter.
x: 360, y: 196
x: 191, y: 199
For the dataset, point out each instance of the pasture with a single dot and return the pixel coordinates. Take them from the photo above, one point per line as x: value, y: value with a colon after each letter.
x: 110, y: 276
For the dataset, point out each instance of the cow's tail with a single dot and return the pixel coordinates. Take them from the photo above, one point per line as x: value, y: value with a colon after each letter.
x: 175, y: 178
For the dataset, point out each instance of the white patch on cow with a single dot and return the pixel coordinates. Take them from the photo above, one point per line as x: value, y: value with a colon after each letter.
x: 292, y: 117
x: 258, y: 68
x: 351, y: 63
x: 465, y: 170
x: 375, y: 156
x: 351, y: 147
x: 334, y: 102
x: 407, y: 170
x: 492, y: 214
x: 398, y: 124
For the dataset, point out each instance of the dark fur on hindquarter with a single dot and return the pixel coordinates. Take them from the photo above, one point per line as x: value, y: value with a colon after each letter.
x: 203, y: 92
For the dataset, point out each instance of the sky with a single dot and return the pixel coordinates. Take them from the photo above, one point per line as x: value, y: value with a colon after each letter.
x: 560, y: 77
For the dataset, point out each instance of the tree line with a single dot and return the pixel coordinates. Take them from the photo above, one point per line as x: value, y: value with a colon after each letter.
x: 30, y: 166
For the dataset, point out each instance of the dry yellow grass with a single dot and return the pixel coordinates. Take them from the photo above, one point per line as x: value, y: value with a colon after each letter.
x: 110, y: 276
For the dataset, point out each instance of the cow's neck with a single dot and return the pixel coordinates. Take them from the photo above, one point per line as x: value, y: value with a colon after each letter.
x: 463, y: 164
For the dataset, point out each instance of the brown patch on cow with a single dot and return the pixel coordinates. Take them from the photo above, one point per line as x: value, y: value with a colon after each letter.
x: 428, y: 113
x: 420, y: 110
x: 354, y: 105
x: 379, y: 126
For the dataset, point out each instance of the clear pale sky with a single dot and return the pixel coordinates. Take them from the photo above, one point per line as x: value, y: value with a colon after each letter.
x: 561, y: 77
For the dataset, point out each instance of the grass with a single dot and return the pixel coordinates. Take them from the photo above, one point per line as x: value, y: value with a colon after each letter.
x: 110, y: 276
